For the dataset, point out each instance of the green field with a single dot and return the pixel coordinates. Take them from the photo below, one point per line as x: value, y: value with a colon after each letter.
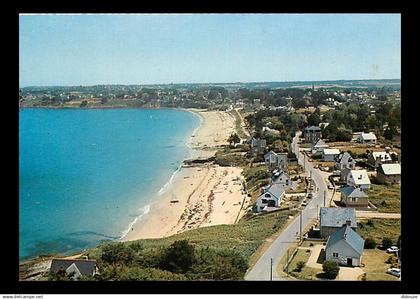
x: 380, y: 228
x: 387, y: 198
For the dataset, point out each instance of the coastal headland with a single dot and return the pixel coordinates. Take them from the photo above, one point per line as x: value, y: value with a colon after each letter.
x: 200, y: 194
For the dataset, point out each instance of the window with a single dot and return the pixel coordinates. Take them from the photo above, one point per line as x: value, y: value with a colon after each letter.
x: 267, y: 195
x: 335, y: 254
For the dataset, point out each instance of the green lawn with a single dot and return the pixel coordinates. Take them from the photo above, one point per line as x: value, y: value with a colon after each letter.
x: 387, y: 198
x: 306, y: 273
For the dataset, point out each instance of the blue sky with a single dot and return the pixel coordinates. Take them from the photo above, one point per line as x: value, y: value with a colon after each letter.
x: 185, y: 48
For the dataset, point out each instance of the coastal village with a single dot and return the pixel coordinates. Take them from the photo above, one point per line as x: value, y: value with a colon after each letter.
x: 298, y: 182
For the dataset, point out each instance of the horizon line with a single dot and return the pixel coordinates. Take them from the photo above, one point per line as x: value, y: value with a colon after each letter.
x: 208, y: 83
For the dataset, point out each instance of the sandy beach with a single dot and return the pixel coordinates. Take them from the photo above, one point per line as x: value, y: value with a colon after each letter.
x: 199, y: 194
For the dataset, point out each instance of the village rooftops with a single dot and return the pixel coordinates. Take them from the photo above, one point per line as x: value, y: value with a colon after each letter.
x: 391, y: 169
x: 337, y: 217
x: 350, y: 191
x: 368, y: 136
x: 275, y: 189
x: 349, y: 236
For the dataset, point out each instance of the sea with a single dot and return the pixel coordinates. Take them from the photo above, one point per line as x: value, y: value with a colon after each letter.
x: 87, y: 175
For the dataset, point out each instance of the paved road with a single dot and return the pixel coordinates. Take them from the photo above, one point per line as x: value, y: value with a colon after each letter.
x: 261, y: 270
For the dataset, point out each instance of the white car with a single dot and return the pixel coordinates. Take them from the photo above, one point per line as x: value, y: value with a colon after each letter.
x: 392, y: 249
x: 394, y: 271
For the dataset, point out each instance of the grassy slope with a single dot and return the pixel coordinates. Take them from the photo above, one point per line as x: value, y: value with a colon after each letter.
x: 238, y: 125
x: 381, y: 228
x: 246, y: 236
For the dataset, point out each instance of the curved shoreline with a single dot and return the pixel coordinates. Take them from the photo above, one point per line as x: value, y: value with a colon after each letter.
x: 205, y: 194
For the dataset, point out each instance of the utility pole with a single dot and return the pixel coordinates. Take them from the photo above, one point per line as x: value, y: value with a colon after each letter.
x: 287, y: 261
x: 271, y: 268
x: 300, y: 226
x: 325, y: 196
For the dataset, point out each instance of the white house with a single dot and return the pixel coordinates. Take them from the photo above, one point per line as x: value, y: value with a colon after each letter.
x: 390, y: 173
x: 345, y: 160
x: 345, y: 246
x: 358, y: 179
x: 330, y: 154
x: 376, y: 158
x: 271, y: 197
x: 367, y: 138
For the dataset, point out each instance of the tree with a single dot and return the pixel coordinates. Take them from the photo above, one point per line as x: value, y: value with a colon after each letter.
x: 370, y: 243
x: 331, y: 269
x: 386, y: 242
x: 179, y: 257
x: 234, y: 138
x: 83, y: 104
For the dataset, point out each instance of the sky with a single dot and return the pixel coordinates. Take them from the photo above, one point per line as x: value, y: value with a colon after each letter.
x: 207, y: 48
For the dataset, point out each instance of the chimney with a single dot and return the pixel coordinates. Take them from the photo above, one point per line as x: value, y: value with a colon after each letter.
x: 348, y: 222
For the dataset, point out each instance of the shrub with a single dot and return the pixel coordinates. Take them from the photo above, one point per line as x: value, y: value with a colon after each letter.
x: 386, y: 243
x: 331, y: 269
x: 371, y: 223
x: 117, y: 253
x: 370, y: 243
x: 179, y: 257
x: 299, y: 266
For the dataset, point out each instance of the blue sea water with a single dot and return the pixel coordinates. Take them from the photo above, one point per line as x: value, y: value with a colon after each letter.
x: 86, y: 174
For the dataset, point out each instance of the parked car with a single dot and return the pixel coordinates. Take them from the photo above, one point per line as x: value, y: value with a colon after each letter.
x: 392, y: 249
x: 394, y: 271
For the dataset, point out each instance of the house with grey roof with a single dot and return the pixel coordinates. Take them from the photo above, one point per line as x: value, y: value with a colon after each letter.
x: 281, y: 177
x: 330, y: 154
x: 345, y: 246
x: 74, y: 267
x: 345, y: 160
x: 257, y: 145
x: 354, y: 197
x: 332, y: 219
x: 312, y: 134
x: 276, y: 160
x: 270, y: 198
x: 318, y: 146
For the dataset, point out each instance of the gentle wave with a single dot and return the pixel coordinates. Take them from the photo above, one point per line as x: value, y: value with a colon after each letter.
x: 145, y: 210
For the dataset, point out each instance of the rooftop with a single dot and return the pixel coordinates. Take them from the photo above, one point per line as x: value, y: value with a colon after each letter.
x: 349, y: 236
x: 391, y: 169
x: 336, y: 217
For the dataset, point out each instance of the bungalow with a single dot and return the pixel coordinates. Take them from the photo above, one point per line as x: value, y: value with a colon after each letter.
x: 354, y: 197
x: 312, y: 134
x: 345, y: 160
x: 345, y: 246
x: 318, y: 146
x: 358, y: 179
x: 75, y: 267
x: 274, y: 160
x: 271, y: 197
x: 332, y: 219
x: 367, y: 138
x: 376, y: 158
x: 330, y: 154
x: 389, y: 173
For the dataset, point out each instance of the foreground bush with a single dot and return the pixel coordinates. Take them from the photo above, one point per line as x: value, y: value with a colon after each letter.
x: 331, y: 269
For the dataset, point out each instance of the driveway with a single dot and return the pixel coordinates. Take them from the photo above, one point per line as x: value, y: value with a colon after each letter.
x: 313, y: 258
